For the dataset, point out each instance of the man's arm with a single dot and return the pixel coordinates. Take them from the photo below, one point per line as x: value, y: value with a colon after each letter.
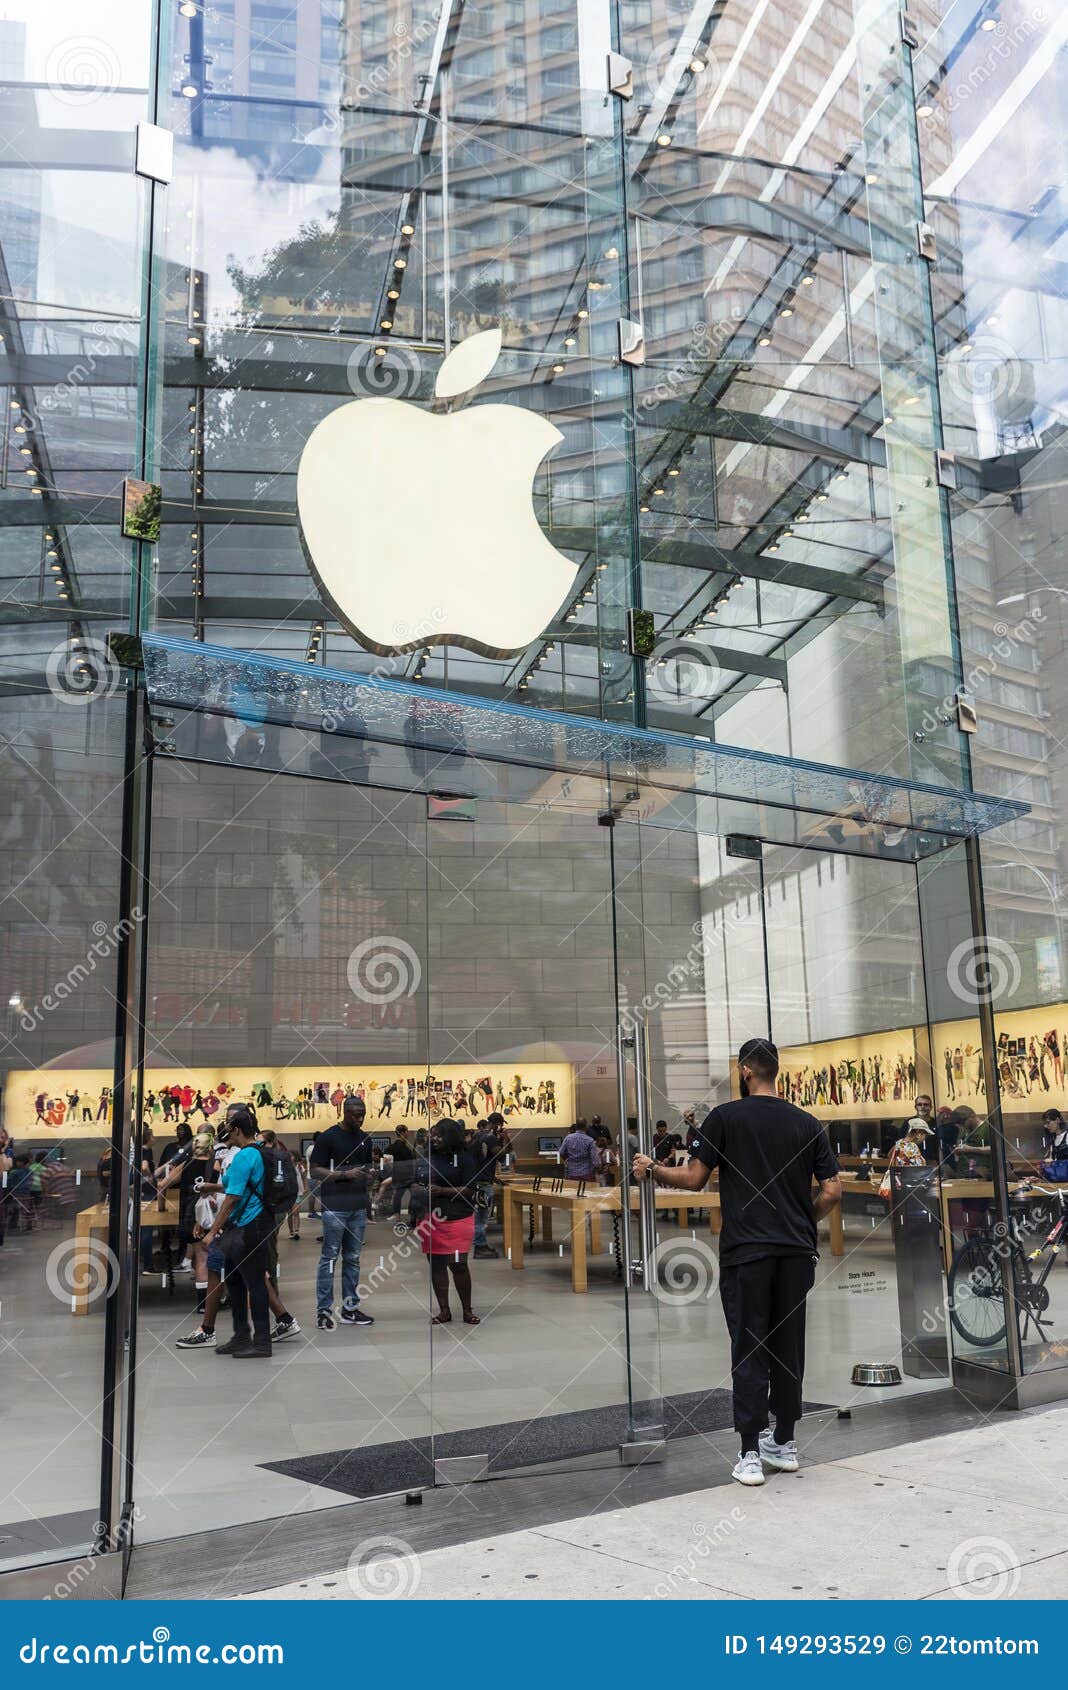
x: 829, y: 1193
x: 225, y: 1210
x: 692, y: 1176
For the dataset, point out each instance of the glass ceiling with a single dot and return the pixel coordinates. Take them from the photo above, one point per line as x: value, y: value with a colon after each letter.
x: 217, y: 704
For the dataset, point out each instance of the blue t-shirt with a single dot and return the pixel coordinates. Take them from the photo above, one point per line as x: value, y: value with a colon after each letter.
x: 244, y: 1179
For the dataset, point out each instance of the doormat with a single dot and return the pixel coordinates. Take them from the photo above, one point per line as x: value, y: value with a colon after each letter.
x: 408, y: 1464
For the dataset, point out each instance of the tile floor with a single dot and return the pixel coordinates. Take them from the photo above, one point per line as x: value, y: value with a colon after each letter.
x: 205, y: 1424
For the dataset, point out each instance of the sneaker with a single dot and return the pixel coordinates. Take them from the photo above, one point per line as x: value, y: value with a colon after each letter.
x: 748, y: 1470
x: 198, y: 1340
x: 325, y: 1321
x: 183, y: 1267
x: 783, y: 1457
x: 252, y: 1352
x: 486, y: 1253
x: 288, y: 1328
x: 233, y: 1346
x: 356, y: 1317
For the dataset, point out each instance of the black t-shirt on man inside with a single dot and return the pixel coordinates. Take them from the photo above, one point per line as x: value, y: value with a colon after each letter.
x: 768, y: 1153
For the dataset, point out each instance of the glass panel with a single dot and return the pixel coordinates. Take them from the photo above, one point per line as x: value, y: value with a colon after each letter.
x: 990, y: 83
x: 287, y: 968
x: 61, y: 935
x: 849, y: 1016
x: 523, y: 1019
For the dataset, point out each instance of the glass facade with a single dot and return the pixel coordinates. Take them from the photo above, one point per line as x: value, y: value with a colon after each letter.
x: 779, y: 282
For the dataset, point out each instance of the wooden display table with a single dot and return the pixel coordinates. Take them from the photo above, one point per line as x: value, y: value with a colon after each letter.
x: 596, y: 1201
x: 94, y: 1219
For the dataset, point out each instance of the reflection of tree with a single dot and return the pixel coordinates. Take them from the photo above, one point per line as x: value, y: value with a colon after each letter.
x: 326, y: 276
x: 142, y: 520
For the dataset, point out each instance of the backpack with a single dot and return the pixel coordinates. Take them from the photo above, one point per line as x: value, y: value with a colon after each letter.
x: 281, y: 1188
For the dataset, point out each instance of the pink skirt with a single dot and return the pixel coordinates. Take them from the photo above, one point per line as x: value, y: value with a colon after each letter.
x: 447, y: 1238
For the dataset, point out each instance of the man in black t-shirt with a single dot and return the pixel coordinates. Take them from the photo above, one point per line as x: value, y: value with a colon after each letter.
x: 341, y: 1164
x: 769, y: 1154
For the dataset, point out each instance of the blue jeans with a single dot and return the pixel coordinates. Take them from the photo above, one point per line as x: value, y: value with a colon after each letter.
x: 482, y: 1215
x: 343, y: 1232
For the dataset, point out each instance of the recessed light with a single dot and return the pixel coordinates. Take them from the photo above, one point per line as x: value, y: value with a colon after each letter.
x: 673, y: 470
x: 380, y: 352
x: 771, y: 548
x: 925, y: 110
x: 612, y: 252
x: 787, y: 311
x: 871, y: 180
x: 558, y: 369
x: 407, y: 228
x: 993, y: 320
x: 193, y: 339
x: 658, y: 492
x: 697, y: 66
x: 663, y: 140
x: 400, y: 264
x: 821, y: 498
x: 582, y: 315
x: 187, y: 9
x: 189, y: 92
x: 26, y: 451
x: 643, y: 508
x: 386, y: 323
x: 569, y: 340
x: 807, y: 281
x: 888, y: 422
x: 989, y: 24
x: 765, y: 340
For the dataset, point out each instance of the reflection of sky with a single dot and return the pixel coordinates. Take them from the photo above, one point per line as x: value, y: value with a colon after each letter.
x: 88, y: 241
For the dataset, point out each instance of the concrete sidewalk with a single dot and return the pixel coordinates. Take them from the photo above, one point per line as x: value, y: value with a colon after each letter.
x: 976, y: 1514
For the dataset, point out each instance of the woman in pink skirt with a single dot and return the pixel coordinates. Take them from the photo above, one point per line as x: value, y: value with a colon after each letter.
x: 449, y: 1230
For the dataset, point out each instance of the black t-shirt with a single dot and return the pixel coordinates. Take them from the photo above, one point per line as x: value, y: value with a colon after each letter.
x: 401, y: 1150
x: 342, y: 1149
x: 768, y: 1153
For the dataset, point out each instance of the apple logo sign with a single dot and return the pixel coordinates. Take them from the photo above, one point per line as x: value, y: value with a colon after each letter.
x: 415, y: 521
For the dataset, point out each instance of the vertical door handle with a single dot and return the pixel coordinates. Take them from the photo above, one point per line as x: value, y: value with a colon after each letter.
x: 646, y: 1190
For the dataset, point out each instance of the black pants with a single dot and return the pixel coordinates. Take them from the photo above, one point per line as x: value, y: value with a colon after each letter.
x: 764, y: 1303
x: 246, y: 1281
x: 401, y: 1188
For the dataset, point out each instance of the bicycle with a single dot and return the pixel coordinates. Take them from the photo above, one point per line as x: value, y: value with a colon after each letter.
x: 976, y: 1283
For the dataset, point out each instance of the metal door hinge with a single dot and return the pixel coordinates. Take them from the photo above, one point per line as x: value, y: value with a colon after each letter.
x: 620, y: 76
x: 631, y: 342
x: 154, y: 156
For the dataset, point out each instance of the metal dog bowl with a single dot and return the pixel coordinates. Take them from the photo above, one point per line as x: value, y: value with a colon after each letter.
x: 876, y: 1373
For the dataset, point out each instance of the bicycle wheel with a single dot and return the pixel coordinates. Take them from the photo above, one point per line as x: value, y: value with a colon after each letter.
x: 976, y: 1304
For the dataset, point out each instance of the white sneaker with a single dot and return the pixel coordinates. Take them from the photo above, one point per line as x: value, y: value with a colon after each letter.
x: 783, y: 1457
x: 748, y: 1470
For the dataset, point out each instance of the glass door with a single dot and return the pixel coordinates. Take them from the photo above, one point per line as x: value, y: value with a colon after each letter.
x: 529, y: 912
